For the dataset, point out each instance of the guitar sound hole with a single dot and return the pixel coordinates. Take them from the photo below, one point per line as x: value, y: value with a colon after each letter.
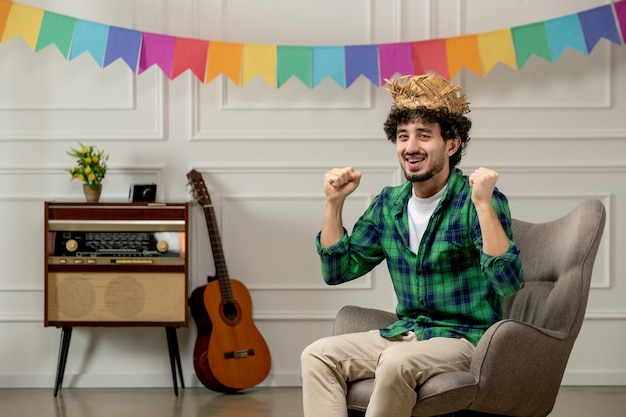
x: 230, y: 311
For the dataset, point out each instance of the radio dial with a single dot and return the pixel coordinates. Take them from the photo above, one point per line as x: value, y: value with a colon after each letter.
x: 162, y: 246
x: 71, y: 245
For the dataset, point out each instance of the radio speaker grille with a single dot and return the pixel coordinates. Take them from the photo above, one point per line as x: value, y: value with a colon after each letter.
x: 116, y: 297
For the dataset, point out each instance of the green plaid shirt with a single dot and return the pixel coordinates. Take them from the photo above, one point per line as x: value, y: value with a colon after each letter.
x: 450, y: 288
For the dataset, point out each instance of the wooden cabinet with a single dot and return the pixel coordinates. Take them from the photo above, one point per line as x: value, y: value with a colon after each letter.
x: 116, y: 264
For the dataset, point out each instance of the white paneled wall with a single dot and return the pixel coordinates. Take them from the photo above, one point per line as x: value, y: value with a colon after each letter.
x: 556, y: 132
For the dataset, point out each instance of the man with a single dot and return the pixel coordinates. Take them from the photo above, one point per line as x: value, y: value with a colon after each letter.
x: 447, y: 242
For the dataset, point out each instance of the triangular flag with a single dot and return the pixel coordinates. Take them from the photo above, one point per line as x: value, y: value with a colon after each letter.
x: 395, y: 58
x: 344, y: 64
x: 530, y: 40
x: 25, y: 21
x: 328, y: 61
x: 224, y: 57
x: 599, y: 23
x: 259, y: 60
x: 620, y: 13
x: 190, y: 54
x: 565, y: 32
x: 5, y: 9
x: 462, y: 51
x: 90, y: 37
x: 430, y: 56
x: 294, y: 61
x: 56, y: 29
x: 123, y: 43
x: 157, y: 49
x: 496, y: 46
x: 362, y: 60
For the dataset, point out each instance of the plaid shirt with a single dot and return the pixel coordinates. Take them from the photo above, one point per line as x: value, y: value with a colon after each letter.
x: 450, y: 288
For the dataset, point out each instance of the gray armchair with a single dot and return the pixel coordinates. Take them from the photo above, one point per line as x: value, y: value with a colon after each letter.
x: 520, y: 361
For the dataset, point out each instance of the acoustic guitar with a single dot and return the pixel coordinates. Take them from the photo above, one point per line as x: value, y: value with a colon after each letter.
x: 230, y: 353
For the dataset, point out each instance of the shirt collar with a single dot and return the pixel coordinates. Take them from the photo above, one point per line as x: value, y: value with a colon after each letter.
x: 454, y: 185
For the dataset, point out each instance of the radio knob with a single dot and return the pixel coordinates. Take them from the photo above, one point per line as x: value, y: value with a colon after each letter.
x: 162, y: 246
x: 71, y: 245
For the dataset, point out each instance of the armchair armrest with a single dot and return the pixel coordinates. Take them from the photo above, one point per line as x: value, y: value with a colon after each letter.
x: 519, y: 368
x: 352, y: 319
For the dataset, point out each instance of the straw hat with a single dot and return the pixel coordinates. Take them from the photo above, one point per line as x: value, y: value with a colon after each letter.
x: 428, y: 90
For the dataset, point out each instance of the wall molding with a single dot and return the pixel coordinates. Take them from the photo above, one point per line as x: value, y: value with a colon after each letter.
x: 594, y: 378
x: 371, y: 135
x: 544, y: 135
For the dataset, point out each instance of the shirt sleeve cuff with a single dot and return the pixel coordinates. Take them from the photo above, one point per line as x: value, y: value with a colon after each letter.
x: 506, y: 269
x: 339, y: 247
x: 509, y: 256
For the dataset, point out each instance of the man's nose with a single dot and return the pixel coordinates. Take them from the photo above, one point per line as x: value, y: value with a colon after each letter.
x: 413, y: 145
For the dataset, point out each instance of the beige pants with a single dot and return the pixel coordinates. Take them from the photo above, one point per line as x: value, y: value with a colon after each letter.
x: 399, y: 365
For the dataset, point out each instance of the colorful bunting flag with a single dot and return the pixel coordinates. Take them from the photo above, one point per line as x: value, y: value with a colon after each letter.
x: 565, y: 32
x: 362, y: 60
x: 430, y: 56
x: 123, y: 43
x: 620, y: 13
x: 24, y: 21
x: 90, y: 37
x: 58, y: 30
x: 259, y: 60
x: 5, y: 9
x: 395, y: 58
x: 530, y: 40
x: 157, y: 49
x: 344, y: 64
x: 598, y: 23
x: 462, y: 51
x: 496, y: 46
x: 190, y: 54
x: 328, y: 61
x: 294, y: 61
x: 224, y: 57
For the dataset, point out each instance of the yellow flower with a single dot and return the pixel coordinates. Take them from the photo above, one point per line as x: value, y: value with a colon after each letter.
x: 91, y: 164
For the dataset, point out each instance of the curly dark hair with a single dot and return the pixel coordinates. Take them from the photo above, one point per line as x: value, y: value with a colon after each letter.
x: 452, y: 125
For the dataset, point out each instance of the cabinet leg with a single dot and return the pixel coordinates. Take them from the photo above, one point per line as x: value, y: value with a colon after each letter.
x: 174, y: 352
x: 64, y: 347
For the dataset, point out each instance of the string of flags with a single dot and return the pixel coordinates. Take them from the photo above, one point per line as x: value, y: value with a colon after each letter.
x: 276, y: 64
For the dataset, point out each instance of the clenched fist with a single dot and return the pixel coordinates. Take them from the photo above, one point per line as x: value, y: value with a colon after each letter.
x: 341, y: 182
x: 483, y: 182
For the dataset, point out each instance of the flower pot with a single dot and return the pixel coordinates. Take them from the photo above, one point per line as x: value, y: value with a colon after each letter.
x: 92, y: 195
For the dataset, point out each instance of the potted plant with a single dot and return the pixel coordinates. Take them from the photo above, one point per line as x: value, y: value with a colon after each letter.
x: 90, y: 169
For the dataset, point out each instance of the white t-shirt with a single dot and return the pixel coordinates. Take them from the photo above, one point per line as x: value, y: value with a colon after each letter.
x: 420, y: 210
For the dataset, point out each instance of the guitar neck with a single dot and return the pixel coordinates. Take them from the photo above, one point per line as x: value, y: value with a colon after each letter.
x: 221, y: 270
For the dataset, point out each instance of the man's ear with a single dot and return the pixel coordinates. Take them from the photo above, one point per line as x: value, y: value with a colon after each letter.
x: 453, y: 145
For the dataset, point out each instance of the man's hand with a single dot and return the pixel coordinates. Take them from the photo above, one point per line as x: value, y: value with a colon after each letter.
x: 495, y: 241
x: 339, y: 183
x: 483, y: 182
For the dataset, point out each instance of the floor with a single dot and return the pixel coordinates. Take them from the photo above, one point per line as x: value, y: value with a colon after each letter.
x: 256, y: 402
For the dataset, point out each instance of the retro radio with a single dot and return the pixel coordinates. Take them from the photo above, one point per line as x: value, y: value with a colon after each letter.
x: 116, y: 264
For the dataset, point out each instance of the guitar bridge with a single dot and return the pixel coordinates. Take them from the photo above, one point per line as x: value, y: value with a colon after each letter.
x: 239, y: 354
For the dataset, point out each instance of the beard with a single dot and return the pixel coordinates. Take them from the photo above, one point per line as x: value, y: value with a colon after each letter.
x: 437, y: 166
